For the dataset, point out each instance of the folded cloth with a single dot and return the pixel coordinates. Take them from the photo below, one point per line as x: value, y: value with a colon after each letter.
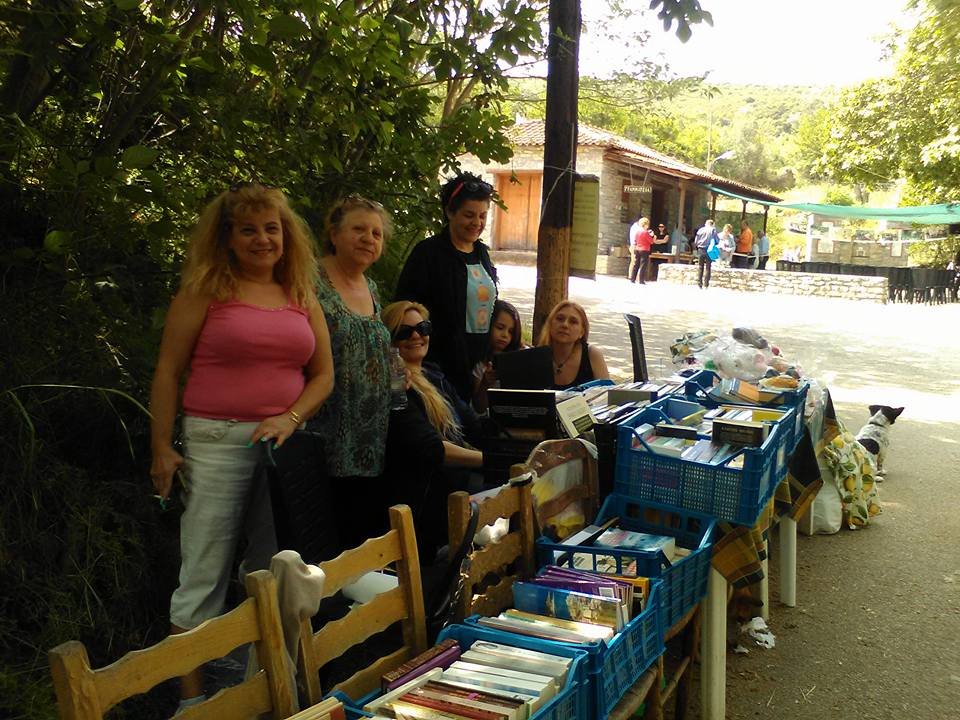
x: 299, y: 592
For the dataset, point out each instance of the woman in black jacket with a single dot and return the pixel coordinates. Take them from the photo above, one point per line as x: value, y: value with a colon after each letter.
x: 452, y: 275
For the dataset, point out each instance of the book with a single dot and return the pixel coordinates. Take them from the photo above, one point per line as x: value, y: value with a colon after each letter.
x: 329, y: 709
x: 542, y: 629
x: 376, y: 704
x: 512, y: 708
x: 633, y: 392
x: 531, y: 410
x: 556, y: 670
x: 422, y: 706
x: 408, y: 671
x: 511, y: 653
x: 507, y: 672
x: 676, y: 430
x: 556, y: 602
x: 585, y: 628
x: 575, y: 416
x: 640, y: 541
x: 542, y: 692
x: 740, y: 432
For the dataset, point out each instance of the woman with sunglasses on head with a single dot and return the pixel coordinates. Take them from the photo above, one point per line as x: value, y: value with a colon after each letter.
x: 248, y: 328
x: 427, y: 447
x: 452, y: 275
x: 354, y: 422
x: 574, y: 361
x: 505, y: 336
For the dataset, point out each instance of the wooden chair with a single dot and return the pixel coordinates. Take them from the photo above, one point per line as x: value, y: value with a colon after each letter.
x: 403, y: 604
x: 551, y: 454
x: 488, y: 587
x: 86, y: 694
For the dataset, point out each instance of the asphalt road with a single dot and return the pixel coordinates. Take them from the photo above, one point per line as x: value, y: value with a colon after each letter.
x: 876, y: 631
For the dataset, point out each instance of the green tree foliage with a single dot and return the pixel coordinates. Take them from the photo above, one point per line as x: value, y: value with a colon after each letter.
x: 118, y: 121
x: 906, y: 126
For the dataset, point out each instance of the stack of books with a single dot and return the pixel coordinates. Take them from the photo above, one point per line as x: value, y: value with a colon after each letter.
x: 487, y: 681
x: 642, y: 391
x: 621, y: 567
x: 329, y: 709
x: 734, y: 390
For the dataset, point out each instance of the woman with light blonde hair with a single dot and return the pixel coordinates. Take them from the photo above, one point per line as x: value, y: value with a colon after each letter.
x: 427, y: 451
x: 247, y: 326
x: 575, y: 362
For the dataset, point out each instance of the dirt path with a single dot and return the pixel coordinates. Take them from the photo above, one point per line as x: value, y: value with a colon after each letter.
x: 876, y: 632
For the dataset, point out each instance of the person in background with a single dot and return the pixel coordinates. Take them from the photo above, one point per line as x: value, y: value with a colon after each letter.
x: 428, y: 444
x: 575, y: 362
x: 763, y: 250
x: 505, y: 336
x: 452, y: 275
x: 701, y: 244
x: 641, y: 239
x: 249, y: 334
x: 744, y: 246
x: 353, y: 423
x: 679, y: 242
x: 661, y: 244
x: 727, y: 243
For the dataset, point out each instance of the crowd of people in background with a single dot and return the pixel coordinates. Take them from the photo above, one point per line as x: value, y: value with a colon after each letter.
x: 746, y: 250
x: 270, y: 340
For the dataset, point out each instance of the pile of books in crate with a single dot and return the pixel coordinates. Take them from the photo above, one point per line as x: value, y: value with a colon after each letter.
x: 734, y: 390
x: 618, y: 401
x: 486, y: 681
x: 609, y: 536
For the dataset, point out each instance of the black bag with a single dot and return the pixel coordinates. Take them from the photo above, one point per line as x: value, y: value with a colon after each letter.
x: 304, y: 510
x: 443, y: 585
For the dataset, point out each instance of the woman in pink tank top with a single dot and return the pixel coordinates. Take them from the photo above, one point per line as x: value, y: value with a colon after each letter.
x: 247, y: 330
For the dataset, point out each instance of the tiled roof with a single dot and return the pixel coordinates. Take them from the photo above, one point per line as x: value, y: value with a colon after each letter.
x: 531, y: 133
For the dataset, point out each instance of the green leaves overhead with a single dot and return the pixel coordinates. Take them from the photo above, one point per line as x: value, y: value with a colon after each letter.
x: 138, y: 156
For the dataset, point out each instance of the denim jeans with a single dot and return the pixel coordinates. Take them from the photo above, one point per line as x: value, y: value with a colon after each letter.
x: 222, y: 502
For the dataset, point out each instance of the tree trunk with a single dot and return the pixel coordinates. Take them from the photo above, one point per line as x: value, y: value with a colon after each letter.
x: 559, y: 159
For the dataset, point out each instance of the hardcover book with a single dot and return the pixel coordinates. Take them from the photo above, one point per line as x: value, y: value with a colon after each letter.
x: 407, y: 671
x: 568, y: 604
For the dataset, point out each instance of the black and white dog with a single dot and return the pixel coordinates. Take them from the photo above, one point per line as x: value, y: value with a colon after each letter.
x: 875, y: 435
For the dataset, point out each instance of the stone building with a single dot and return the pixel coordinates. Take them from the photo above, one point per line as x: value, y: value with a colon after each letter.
x: 635, y: 180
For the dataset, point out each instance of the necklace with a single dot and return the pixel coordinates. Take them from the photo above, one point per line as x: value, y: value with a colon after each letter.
x: 558, y: 367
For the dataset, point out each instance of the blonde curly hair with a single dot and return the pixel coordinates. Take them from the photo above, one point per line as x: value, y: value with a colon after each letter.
x: 210, y: 268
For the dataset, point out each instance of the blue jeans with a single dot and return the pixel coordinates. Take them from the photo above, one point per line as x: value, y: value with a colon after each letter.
x: 222, y: 501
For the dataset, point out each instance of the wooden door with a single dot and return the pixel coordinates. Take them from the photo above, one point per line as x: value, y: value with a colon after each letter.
x: 517, y: 226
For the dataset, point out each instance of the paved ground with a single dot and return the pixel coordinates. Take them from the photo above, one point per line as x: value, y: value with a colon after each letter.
x: 876, y: 633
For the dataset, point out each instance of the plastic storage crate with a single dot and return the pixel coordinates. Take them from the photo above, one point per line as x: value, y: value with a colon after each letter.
x: 572, y: 702
x: 614, y: 666
x: 697, y: 385
x: 684, y: 582
x: 733, y: 494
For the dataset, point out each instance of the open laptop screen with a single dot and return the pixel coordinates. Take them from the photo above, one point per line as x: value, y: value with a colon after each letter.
x: 530, y: 369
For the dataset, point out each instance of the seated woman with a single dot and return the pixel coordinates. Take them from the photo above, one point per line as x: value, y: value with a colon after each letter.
x: 505, y: 332
x: 574, y: 361
x: 426, y: 442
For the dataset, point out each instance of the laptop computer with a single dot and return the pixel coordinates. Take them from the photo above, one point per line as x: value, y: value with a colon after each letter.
x: 530, y: 369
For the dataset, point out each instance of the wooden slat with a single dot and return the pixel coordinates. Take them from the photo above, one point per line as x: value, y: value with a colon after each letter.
x: 675, y: 678
x: 138, y: 671
x: 73, y: 682
x: 495, y: 599
x: 248, y: 699
x: 271, y: 651
x: 334, y: 638
x: 346, y: 568
x: 366, y: 680
x: 408, y: 576
x: 553, y: 507
x: 505, y: 504
x: 494, y: 556
x: 308, y: 668
x: 636, y: 694
x: 528, y: 534
x: 318, y: 711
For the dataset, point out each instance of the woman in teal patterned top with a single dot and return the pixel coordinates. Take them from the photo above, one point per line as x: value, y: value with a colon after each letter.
x: 354, y: 419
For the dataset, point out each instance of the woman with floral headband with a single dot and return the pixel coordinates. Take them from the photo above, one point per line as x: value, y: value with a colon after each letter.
x: 452, y: 275
x: 354, y: 422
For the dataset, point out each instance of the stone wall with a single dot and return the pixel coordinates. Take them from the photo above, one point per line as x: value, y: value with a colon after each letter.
x: 849, y: 287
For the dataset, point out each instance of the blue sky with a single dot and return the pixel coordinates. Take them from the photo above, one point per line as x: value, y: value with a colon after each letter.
x: 771, y: 42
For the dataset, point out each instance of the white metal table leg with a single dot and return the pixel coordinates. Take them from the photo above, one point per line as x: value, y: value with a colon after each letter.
x: 788, y: 561
x: 765, y: 583
x: 713, y: 650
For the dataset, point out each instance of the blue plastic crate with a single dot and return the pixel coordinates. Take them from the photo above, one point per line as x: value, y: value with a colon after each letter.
x: 733, y: 494
x: 573, y: 702
x: 696, y: 387
x: 684, y: 581
x: 615, y: 665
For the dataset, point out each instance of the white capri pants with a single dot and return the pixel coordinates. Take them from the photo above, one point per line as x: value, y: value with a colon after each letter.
x: 222, y: 502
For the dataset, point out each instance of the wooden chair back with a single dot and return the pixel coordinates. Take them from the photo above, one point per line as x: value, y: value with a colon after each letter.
x: 494, y: 567
x: 403, y: 604
x: 86, y: 694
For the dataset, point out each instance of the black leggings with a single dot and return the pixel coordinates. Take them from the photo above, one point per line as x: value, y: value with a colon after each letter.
x: 705, y: 262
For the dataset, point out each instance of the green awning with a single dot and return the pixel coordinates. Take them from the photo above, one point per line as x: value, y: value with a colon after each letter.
x: 945, y: 214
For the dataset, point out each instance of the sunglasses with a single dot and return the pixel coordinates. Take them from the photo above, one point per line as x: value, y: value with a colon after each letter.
x: 405, y: 332
x: 473, y: 187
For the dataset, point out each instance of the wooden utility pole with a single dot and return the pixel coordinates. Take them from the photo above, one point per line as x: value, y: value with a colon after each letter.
x: 559, y: 159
